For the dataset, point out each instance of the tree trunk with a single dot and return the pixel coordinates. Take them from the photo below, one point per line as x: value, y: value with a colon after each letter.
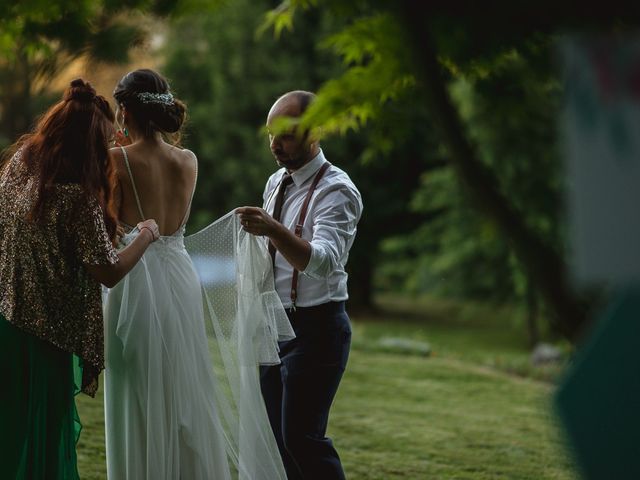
x: 532, y: 315
x: 545, y: 267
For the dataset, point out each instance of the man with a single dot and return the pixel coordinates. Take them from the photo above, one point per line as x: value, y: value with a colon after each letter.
x: 310, y: 278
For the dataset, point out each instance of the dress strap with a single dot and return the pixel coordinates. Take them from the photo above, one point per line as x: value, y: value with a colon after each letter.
x: 133, y: 183
x: 193, y: 192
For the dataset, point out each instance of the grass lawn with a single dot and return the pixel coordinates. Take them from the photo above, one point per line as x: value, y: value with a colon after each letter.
x: 472, y: 410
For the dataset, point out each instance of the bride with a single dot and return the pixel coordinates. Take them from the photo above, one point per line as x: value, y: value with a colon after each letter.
x: 182, y: 398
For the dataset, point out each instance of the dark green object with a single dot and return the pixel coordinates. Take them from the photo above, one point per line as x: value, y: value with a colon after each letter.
x: 599, y: 400
x: 39, y: 424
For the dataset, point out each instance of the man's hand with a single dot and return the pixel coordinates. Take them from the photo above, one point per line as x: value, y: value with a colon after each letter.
x: 256, y: 221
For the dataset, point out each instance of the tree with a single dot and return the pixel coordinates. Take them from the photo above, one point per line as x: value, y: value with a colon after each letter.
x: 38, y: 38
x: 230, y: 76
x: 510, y: 115
x: 446, y: 42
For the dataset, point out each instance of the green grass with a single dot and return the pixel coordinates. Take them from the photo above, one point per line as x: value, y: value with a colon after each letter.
x: 470, y: 411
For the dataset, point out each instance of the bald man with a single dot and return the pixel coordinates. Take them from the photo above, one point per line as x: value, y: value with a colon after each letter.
x: 310, y: 213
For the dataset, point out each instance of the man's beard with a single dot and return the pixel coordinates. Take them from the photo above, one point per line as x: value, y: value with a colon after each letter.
x: 292, y: 163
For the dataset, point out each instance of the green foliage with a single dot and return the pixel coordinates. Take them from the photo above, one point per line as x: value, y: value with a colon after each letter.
x: 112, y: 43
x: 373, y: 49
x: 510, y: 113
x: 40, y: 38
x: 508, y: 99
x: 230, y: 65
x: 49, y: 33
x: 230, y: 76
x: 451, y: 250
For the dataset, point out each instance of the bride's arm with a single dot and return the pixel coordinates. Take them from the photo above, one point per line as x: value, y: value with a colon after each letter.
x: 110, y: 275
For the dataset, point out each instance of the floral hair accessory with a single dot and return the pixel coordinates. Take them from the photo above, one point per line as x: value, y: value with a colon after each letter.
x: 162, y: 98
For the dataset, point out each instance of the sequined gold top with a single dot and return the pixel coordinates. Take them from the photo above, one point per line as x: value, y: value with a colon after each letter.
x: 44, y: 288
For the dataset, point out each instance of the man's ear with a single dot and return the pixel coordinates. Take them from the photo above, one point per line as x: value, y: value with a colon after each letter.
x: 315, y: 135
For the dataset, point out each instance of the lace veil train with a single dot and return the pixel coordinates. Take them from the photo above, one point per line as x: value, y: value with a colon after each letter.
x: 245, y: 320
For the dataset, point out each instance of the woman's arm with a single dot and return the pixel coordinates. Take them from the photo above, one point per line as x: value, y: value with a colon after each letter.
x: 110, y: 275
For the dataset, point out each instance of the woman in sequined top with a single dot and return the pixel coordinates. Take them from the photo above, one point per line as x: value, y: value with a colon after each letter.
x: 57, y: 228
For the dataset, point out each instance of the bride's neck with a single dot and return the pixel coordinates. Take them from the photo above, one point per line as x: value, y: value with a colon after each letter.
x: 154, y: 139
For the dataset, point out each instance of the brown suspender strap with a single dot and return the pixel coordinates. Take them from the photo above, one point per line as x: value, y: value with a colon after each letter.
x: 299, y: 225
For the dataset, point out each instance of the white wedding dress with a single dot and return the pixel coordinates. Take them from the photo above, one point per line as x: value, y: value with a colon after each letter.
x: 185, y: 332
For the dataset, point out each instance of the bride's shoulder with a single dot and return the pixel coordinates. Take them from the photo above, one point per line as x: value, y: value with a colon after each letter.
x: 184, y: 154
x: 185, y: 160
x: 188, y: 154
x: 117, y: 157
x: 115, y: 151
x: 117, y: 154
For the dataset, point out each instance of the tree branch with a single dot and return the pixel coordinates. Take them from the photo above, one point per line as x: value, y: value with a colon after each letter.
x: 544, y: 265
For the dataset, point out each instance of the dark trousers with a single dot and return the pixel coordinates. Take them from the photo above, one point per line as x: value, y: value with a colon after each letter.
x: 298, y: 393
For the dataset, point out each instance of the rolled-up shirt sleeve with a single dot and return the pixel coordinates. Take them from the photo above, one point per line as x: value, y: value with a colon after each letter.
x: 335, y: 222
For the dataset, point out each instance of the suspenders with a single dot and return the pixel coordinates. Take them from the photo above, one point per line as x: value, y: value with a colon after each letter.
x: 299, y: 225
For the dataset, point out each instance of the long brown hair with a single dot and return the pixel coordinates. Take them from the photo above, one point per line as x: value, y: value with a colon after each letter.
x: 70, y: 144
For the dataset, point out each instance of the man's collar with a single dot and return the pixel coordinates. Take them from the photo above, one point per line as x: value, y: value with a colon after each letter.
x: 307, y: 171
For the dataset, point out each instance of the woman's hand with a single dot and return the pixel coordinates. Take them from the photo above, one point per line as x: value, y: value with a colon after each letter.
x: 122, y: 140
x: 110, y: 275
x: 152, y: 227
x: 119, y: 234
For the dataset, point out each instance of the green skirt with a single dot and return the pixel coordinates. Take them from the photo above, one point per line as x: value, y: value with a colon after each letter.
x: 40, y: 423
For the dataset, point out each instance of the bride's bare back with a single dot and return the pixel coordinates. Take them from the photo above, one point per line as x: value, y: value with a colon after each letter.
x: 164, y: 177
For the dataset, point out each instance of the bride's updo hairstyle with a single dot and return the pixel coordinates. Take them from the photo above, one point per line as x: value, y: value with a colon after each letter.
x: 146, y: 96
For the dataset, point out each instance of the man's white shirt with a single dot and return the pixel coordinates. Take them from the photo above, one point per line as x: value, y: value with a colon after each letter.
x: 330, y: 227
